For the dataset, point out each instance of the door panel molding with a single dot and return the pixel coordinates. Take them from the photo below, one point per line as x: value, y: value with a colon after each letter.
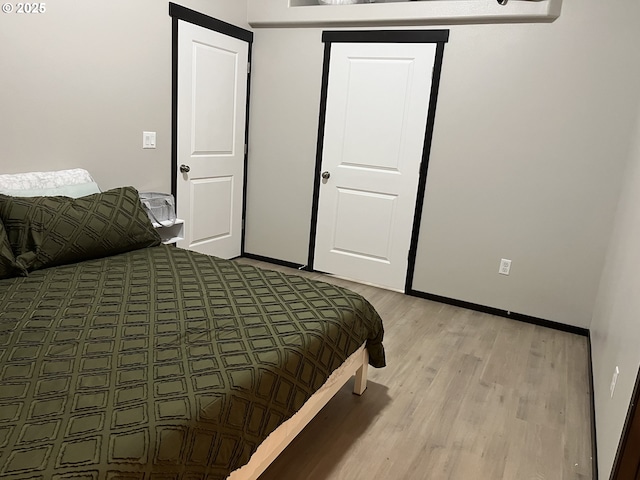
x: 440, y: 37
x: 221, y: 139
x: 214, y: 194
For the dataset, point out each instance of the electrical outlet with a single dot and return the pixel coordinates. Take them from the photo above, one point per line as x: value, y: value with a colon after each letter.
x: 614, y: 379
x: 505, y: 267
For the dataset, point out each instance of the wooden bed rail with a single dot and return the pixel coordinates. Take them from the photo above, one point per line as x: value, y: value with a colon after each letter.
x: 357, y: 364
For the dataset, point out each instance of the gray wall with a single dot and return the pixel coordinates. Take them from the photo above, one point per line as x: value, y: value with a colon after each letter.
x: 81, y: 82
x: 285, y: 98
x: 615, y: 330
x: 531, y: 137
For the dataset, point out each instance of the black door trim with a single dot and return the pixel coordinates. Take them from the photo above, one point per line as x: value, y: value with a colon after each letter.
x: 191, y: 16
x: 380, y: 36
x: 319, y: 149
x: 424, y: 167
x: 385, y: 36
x: 178, y: 12
x: 627, y: 461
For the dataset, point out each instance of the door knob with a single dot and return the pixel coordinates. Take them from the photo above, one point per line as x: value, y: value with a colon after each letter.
x: 185, y: 168
x: 326, y: 175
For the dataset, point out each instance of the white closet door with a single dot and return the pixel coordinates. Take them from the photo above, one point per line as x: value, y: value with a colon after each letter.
x: 375, y: 124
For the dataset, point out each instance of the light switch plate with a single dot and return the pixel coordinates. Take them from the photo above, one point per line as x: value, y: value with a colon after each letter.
x: 148, y: 139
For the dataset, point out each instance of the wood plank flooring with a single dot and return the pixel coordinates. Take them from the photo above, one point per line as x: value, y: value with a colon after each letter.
x: 464, y: 396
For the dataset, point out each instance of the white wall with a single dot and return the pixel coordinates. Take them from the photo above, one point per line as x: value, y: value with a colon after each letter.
x: 81, y: 82
x: 530, y: 140
x: 531, y: 137
x: 286, y: 76
x: 615, y: 329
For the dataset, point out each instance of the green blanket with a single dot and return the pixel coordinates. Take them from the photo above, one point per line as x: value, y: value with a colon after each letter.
x: 163, y: 363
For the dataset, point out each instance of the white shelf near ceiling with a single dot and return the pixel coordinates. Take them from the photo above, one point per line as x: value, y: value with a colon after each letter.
x: 283, y: 13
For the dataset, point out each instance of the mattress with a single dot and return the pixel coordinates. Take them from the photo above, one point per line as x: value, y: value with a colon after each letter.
x: 163, y: 363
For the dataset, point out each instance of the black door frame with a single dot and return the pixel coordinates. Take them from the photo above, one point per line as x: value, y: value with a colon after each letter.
x: 627, y: 462
x: 178, y: 12
x: 440, y: 37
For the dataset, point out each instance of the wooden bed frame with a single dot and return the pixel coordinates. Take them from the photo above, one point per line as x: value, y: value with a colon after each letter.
x: 357, y: 364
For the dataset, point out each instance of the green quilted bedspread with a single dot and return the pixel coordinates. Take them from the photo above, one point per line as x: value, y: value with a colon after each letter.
x: 163, y: 363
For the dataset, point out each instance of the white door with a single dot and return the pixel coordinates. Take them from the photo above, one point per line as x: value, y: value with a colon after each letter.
x: 212, y: 95
x: 375, y: 126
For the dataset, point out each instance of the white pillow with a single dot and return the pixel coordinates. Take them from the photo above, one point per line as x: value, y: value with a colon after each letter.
x: 73, y: 191
x: 41, y: 180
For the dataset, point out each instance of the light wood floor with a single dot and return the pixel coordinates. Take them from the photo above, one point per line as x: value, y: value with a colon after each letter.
x: 464, y: 396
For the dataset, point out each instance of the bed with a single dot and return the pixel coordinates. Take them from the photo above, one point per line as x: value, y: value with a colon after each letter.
x: 122, y: 358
